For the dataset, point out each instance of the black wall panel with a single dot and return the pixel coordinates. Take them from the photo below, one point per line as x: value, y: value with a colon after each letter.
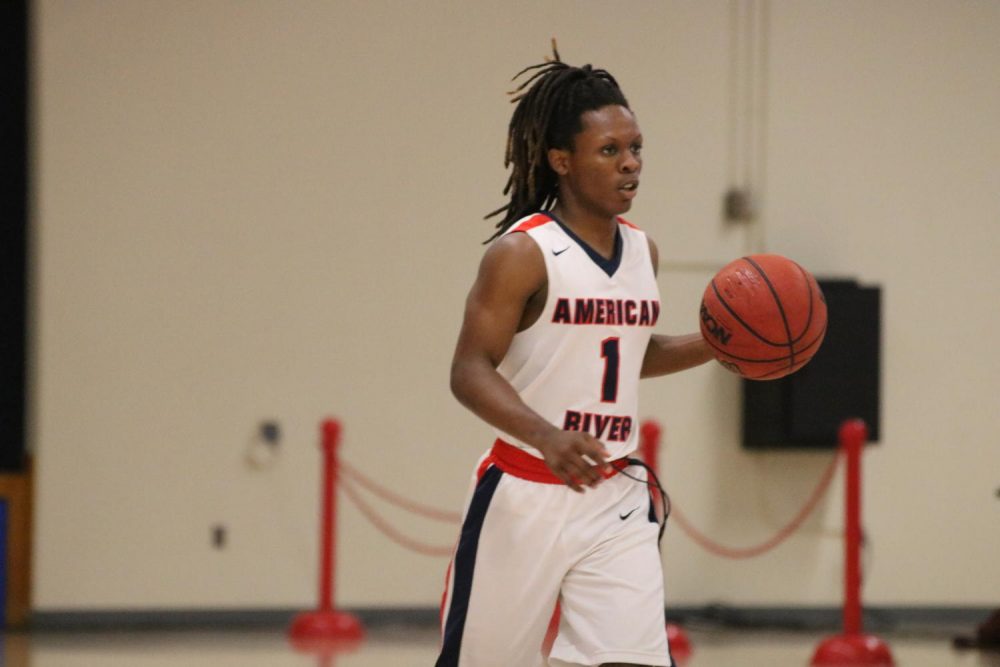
x: 843, y: 380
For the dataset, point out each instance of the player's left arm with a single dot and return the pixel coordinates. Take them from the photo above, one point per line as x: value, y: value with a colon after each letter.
x: 670, y: 354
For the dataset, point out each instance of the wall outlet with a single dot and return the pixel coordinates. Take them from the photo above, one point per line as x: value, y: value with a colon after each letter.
x: 737, y: 205
x: 220, y: 535
x: 270, y: 432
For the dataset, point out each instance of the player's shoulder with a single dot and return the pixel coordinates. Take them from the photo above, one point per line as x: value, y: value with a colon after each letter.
x: 523, y: 240
x: 627, y: 224
x: 529, y: 222
x: 513, y: 247
x: 515, y: 252
x: 629, y: 228
x: 633, y: 229
x: 512, y: 267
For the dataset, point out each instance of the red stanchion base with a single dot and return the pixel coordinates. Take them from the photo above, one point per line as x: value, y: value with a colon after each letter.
x: 844, y: 650
x: 325, y: 631
x: 680, y: 645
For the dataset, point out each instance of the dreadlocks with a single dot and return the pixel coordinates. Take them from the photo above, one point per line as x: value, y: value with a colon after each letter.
x: 547, y: 116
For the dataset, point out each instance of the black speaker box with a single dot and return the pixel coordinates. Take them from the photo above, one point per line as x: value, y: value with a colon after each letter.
x: 805, y: 410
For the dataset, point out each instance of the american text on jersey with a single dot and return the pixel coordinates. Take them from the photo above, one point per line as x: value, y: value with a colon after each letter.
x: 613, y: 312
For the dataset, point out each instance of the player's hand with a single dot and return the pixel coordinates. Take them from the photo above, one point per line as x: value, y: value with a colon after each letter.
x: 578, y: 459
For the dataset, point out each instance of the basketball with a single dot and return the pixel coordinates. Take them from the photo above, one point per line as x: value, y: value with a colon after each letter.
x: 764, y: 316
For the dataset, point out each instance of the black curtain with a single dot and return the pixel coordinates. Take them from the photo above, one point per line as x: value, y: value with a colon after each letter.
x: 13, y: 229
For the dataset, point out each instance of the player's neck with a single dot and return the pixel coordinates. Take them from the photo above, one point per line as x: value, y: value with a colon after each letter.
x: 598, y: 231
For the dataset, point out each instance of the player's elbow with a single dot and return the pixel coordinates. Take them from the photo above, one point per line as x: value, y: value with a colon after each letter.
x: 467, y: 378
x: 459, y: 380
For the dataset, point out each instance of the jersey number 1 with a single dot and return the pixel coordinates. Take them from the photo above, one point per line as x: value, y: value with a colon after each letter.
x: 609, y: 385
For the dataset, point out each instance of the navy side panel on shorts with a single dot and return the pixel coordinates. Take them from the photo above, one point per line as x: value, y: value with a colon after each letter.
x: 465, y: 562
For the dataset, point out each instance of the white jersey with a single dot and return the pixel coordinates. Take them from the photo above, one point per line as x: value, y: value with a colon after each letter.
x: 578, y: 365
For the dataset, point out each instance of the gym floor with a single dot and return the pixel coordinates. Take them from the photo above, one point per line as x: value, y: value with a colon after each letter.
x: 416, y: 647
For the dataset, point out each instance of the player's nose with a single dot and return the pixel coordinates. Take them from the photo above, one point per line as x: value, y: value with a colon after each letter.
x: 631, y: 163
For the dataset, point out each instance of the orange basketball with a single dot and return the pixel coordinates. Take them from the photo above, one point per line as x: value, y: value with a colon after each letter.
x: 764, y: 315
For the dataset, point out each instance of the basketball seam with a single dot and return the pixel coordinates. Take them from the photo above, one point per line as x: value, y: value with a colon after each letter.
x: 781, y: 309
x: 809, y: 285
x: 804, y: 349
x: 739, y: 319
x: 783, y: 371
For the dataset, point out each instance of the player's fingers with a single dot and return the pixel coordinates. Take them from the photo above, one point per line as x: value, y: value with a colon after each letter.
x: 563, y: 472
x: 571, y: 482
x: 595, y: 453
x: 581, y: 474
x: 587, y: 471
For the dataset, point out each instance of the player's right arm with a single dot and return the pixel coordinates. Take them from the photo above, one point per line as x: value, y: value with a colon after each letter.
x: 511, y: 273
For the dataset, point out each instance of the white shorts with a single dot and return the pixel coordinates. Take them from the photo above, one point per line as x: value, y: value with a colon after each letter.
x: 525, y: 545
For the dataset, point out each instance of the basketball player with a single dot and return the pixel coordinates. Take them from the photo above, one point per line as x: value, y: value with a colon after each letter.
x: 556, y: 334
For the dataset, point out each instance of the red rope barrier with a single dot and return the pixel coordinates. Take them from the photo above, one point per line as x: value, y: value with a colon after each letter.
x: 398, y: 500
x: 784, y: 533
x: 650, y: 443
x: 649, y: 449
x: 386, y: 529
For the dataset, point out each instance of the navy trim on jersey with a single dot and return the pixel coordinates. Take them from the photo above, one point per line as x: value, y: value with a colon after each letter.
x: 465, y: 562
x: 609, y: 266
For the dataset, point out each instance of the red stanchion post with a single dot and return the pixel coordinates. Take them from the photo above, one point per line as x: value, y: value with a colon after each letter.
x: 650, y: 434
x: 326, y: 626
x: 853, y: 435
x: 649, y: 449
x: 853, y: 647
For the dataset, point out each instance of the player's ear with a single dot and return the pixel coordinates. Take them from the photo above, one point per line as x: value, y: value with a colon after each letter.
x: 559, y: 160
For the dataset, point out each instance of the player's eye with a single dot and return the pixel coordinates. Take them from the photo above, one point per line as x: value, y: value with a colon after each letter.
x: 637, y: 149
x: 610, y: 149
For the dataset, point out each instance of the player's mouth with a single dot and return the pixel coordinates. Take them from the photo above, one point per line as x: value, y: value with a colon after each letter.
x: 629, y: 188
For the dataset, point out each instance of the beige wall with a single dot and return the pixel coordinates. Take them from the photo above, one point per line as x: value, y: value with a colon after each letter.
x: 271, y: 210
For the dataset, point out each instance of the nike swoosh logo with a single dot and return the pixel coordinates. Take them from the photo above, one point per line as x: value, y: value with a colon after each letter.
x: 625, y: 516
x: 559, y: 252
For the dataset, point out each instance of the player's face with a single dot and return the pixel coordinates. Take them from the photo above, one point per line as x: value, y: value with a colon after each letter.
x: 602, y: 170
